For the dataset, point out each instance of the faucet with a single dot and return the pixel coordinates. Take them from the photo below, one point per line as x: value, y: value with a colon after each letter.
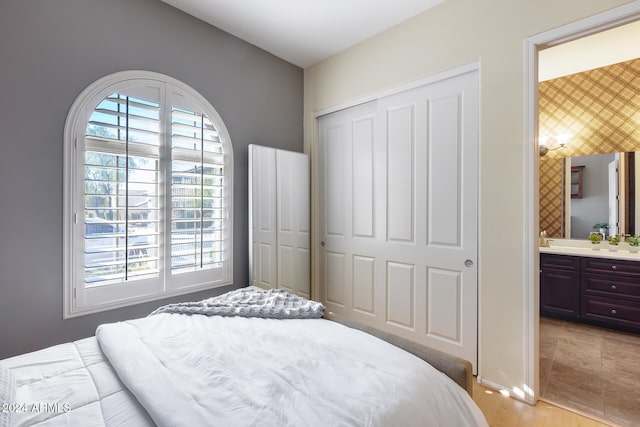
x: 543, y: 242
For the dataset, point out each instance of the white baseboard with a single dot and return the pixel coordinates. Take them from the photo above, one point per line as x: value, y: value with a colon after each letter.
x: 505, y: 391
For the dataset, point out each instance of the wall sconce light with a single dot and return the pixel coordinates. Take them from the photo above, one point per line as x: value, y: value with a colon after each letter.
x: 560, y: 141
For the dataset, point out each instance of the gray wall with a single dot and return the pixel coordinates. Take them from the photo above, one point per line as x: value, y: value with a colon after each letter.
x: 50, y: 50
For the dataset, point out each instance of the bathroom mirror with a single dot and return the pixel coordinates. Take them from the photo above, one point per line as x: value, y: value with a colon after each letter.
x: 599, y: 196
x: 608, y: 194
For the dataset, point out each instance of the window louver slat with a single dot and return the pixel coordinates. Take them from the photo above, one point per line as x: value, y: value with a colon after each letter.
x: 123, y: 129
x: 194, y: 128
x: 145, y: 115
x: 214, y: 159
x: 134, y: 103
x: 183, y: 115
x: 194, y: 142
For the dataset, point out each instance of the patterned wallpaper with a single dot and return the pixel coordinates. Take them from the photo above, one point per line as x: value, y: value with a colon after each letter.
x: 600, y: 109
x: 552, y: 204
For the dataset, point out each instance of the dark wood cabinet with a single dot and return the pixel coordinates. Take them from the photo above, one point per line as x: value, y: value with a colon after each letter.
x: 611, y: 292
x: 600, y: 291
x: 560, y: 286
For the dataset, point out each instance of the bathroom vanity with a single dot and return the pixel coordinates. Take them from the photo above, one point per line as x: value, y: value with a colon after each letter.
x: 596, y: 287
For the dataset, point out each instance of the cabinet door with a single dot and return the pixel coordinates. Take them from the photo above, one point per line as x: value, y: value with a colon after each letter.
x: 560, y: 292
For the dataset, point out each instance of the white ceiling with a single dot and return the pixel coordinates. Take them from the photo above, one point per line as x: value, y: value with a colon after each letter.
x: 598, y: 50
x: 303, y: 32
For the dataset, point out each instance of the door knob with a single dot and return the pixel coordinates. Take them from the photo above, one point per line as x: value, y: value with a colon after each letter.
x: 322, y: 243
x: 468, y: 263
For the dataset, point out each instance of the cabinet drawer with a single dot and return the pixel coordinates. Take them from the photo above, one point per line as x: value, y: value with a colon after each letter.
x: 613, y: 311
x: 609, y: 266
x: 562, y: 262
x: 611, y: 285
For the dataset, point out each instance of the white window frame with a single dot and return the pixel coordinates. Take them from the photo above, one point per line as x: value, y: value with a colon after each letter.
x: 79, y: 300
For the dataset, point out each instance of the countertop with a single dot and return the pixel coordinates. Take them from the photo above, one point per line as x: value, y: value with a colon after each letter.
x: 604, y: 252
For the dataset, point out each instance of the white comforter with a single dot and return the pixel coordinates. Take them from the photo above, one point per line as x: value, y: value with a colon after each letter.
x: 221, y: 371
x: 69, y: 384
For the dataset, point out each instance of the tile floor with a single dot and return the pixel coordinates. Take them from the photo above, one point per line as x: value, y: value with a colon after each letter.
x: 591, y: 369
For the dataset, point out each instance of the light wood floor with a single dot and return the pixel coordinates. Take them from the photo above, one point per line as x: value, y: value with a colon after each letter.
x: 502, y: 411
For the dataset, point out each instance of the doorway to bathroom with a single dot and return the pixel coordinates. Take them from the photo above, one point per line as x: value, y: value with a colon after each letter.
x: 582, y: 367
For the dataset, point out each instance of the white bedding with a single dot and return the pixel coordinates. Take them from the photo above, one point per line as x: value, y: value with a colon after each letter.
x: 222, y: 371
x: 70, y: 384
x: 198, y: 370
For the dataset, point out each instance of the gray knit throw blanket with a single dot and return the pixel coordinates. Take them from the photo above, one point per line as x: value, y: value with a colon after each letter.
x: 250, y: 302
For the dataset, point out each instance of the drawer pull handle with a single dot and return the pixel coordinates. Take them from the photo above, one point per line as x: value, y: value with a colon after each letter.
x: 613, y: 287
x: 613, y: 267
x: 613, y: 311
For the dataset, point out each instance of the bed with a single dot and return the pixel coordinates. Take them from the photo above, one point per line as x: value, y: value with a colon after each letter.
x: 175, y: 369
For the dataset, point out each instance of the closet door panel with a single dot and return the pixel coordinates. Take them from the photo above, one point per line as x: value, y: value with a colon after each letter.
x: 347, y: 199
x: 336, y: 148
x: 444, y: 189
x: 363, y: 172
x: 400, y: 137
x: 262, y: 206
x: 401, y: 295
x: 364, y: 294
x: 293, y: 222
x: 444, y: 310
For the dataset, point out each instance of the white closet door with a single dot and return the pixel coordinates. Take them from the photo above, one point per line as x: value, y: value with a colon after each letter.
x: 346, y: 204
x: 279, y: 219
x: 293, y: 231
x: 398, y: 221
x: 262, y: 215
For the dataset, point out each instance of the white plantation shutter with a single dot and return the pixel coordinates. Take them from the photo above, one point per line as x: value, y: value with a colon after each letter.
x: 197, y: 190
x: 121, y: 185
x: 148, y: 197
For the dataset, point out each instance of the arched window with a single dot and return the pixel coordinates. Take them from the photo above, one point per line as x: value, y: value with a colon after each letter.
x: 148, y: 193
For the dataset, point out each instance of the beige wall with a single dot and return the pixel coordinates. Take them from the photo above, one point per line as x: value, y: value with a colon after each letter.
x: 454, y: 33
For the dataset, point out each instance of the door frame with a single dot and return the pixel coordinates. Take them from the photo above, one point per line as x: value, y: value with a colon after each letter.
x: 575, y: 30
